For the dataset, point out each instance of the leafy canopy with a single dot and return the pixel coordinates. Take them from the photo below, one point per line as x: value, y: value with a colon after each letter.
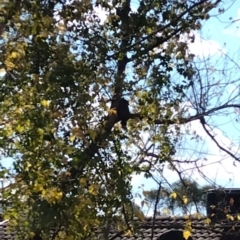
x: 60, y: 64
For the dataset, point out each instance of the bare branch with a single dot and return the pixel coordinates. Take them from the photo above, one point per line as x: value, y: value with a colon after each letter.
x: 203, y: 122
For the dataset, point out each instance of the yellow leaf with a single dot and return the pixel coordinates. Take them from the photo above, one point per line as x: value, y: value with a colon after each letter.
x: 31, y: 234
x: 9, y: 64
x: 58, y: 196
x: 173, y: 195
x: 197, y: 215
x: 9, y: 130
x: 52, y: 195
x: 38, y: 188
x: 207, y: 221
x: 185, y: 199
x: 72, y: 138
x: 45, y: 103
x: 19, y: 128
x: 166, y: 211
x: 29, y: 165
x: 128, y: 233
x: 230, y: 217
x: 40, y: 131
x: 238, y: 217
x: 186, y: 234
x: 14, y: 55
x: 61, y: 27
x: 139, y: 214
x: 93, y: 190
x: 188, y: 224
x: 92, y: 134
x: 83, y: 182
x: 149, y: 30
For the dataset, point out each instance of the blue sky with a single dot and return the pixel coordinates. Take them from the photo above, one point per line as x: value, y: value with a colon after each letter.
x: 217, y: 35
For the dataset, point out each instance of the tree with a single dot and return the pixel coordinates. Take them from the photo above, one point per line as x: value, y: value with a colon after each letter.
x: 184, y: 196
x: 60, y: 66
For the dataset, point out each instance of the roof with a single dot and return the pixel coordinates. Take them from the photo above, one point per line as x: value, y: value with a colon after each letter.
x: 166, y: 228
x: 4, y: 235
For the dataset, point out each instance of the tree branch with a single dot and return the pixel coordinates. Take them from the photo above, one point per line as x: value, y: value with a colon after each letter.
x: 160, y: 40
x: 214, y: 140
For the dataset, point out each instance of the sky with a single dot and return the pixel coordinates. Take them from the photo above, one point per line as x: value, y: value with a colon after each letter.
x: 217, y: 38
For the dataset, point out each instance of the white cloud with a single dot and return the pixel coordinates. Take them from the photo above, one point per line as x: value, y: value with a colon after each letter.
x: 204, y: 48
x: 218, y: 166
x: 212, y: 166
x: 229, y: 31
x: 232, y: 31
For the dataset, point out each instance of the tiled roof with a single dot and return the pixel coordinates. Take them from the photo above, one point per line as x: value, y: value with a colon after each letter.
x: 166, y: 228
x: 4, y: 235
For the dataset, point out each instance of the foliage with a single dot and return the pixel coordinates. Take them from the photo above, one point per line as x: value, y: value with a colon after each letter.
x: 61, y: 64
x: 184, y: 196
